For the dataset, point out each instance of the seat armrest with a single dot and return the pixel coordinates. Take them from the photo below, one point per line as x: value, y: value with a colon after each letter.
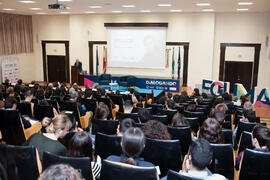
x: 116, y: 109
x: 84, y: 120
x: 35, y: 128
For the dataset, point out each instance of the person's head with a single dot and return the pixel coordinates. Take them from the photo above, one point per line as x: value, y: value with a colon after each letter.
x: 2, y: 104
x: 179, y: 120
x: 128, y: 106
x: 219, y: 116
x: 11, y: 103
x: 176, y: 98
x: 144, y: 115
x: 184, y: 93
x: 211, y: 131
x: 243, y: 99
x: 60, y: 125
x: 102, y: 111
x: 161, y: 100
x: 133, y: 143
x: 200, y: 154
x: 44, y: 102
x: 204, y: 95
x: 40, y: 92
x: 74, y: 95
x: 261, y: 137
x: 169, y: 95
x: 196, y: 92
x: 170, y: 104
x: 29, y: 95
x: 60, y: 171
x: 125, y: 124
x: 10, y: 90
x: 48, y: 93
x: 19, y: 82
x: 77, y: 60
x: 226, y: 96
x: 102, y: 91
x: 191, y: 107
x: 249, y: 115
x: 88, y: 93
x: 80, y: 145
x: 247, y: 106
x: 156, y: 130
x: 221, y: 107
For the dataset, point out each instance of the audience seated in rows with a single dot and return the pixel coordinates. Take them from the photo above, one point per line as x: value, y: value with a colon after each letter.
x: 179, y: 120
x: 156, y: 130
x: 102, y: 111
x: 144, y: 115
x: 132, y: 143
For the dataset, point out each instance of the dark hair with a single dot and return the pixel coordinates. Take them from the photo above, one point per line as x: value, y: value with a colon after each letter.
x: 128, y: 104
x: 169, y: 95
x: 28, y: 93
x: 201, y: 153
x: 144, y: 115
x: 102, y: 91
x: 155, y: 130
x: 204, y: 95
x: 219, y: 116
x: 44, y: 102
x: 221, y: 107
x: 211, y: 131
x: 88, y: 93
x: 131, y: 90
x: 196, y: 92
x: 161, y: 100
x: 80, y: 145
x: 48, y: 93
x: 262, y: 134
x: 226, y: 96
x: 243, y: 99
x: 133, y: 143
x: 191, y: 107
x: 179, y: 120
x: 102, y: 111
x: 10, y: 101
x: 19, y: 82
x: 250, y: 115
x: 176, y: 98
x: 171, y: 104
x: 184, y: 93
x: 125, y: 124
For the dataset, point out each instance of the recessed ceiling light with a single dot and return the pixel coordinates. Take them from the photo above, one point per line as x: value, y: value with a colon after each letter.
x: 176, y: 10
x: 64, y: 0
x: 41, y: 13
x: 95, y: 7
x: 116, y: 11
x: 63, y: 12
x: 244, y: 9
x: 27, y: 2
x: 89, y: 12
x: 8, y: 9
x: 35, y: 9
x: 208, y: 10
x: 129, y: 6
x: 245, y: 3
x: 203, y: 4
x: 145, y: 11
x: 164, y: 5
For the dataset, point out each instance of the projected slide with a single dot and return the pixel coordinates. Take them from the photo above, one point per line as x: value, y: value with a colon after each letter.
x: 136, y: 47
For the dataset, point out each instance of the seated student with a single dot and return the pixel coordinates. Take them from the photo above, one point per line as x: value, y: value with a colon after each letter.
x: 170, y: 104
x: 260, y: 142
x: 191, y: 107
x: 176, y: 99
x: 144, y: 115
x: 199, y: 157
x: 196, y: 92
x: 179, y: 120
x: 44, y: 102
x: 124, y: 125
x: 60, y: 171
x: 247, y: 106
x: 221, y: 107
x: 28, y: 96
x: 133, y: 143
x: 73, y: 98
x: 169, y: 95
x: 219, y: 116
x: 103, y: 94
x: 156, y: 130
x: 211, y: 131
x: 128, y: 106
x: 81, y: 146
x: 49, y: 141
x: 102, y: 111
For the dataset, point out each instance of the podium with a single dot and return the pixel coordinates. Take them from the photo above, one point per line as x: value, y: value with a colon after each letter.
x: 76, y: 77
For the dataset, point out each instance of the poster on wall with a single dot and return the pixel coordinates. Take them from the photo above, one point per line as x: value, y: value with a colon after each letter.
x: 10, y: 68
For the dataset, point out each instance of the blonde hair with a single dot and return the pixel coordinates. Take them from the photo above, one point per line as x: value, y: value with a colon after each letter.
x: 59, y: 122
x: 10, y: 90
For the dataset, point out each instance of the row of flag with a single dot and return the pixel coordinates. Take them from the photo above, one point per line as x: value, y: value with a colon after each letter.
x: 105, y: 62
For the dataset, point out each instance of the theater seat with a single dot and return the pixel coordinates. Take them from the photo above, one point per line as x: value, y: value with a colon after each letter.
x: 104, y: 79
x: 172, y: 175
x: 127, y: 81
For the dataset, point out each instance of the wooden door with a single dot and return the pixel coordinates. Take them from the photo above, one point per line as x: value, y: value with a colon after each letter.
x: 238, y: 72
x: 56, y: 68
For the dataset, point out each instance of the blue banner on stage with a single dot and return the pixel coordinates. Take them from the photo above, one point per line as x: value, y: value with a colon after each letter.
x: 167, y: 85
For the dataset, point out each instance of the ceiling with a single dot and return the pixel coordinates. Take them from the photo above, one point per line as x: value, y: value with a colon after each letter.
x: 141, y: 6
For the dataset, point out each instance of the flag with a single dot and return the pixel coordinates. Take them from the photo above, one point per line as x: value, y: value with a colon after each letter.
x: 97, y: 60
x: 104, y: 60
x: 179, y: 64
x: 173, y: 64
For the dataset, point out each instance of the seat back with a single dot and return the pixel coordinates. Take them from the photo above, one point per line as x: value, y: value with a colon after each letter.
x: 155, y: 108
x: 180, y: 108
x: 255, y: 165
x: 200, y: 115
x: 90, y: 105
x: 245, y: 141
x: 83, y: 164
x: 104, y: 126
x: 169, y: 113
x: 25, y: 108
x: 161, y: 118
x: 106, y: 145
x: 183, y: 134
x: 72, y: 106
x: 43, y: 111
x: 227, y: 125
x: 53, y: 103
x: 172, y: 175
x: 244, y: 126
x: 163, y: 153
x: 11, y: 127
x: 111, y: 171
x: 228, y: 136
x: 121, y: 116
x: 118, y: 99
x: 223, y: 160
x: 20, y: 162
x: 194, y: 123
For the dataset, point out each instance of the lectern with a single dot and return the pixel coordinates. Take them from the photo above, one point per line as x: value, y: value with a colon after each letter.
x: 76, y: 77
